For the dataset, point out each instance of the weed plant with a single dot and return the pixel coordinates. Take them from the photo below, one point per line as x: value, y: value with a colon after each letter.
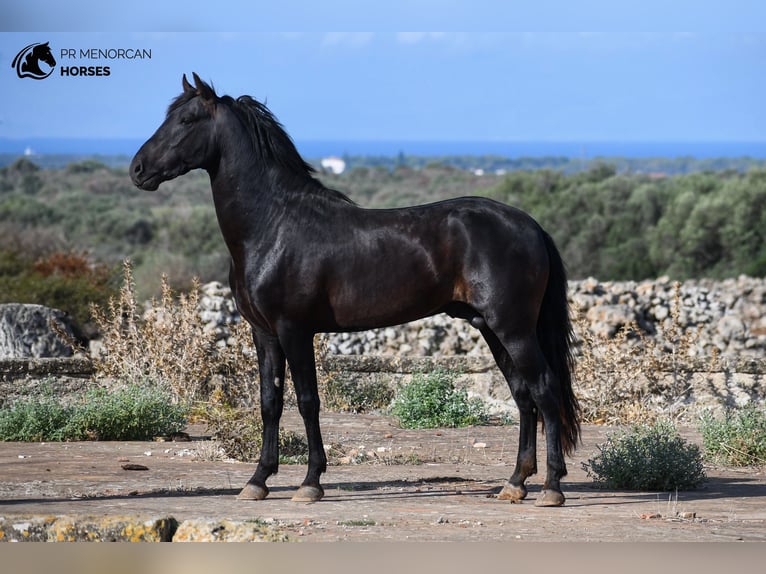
x: 738, y: 438
x: 169, y: 346
x: 431, y: 400
x: 647, y: 457
x: 133, y: 412
x: 632, y: 377
x: 339, y: 392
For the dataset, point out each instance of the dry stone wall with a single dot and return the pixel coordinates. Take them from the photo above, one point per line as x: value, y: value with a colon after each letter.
x: 729, y: 316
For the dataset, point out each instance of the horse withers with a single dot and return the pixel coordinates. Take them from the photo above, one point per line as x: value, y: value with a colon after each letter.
x: 305, y: 260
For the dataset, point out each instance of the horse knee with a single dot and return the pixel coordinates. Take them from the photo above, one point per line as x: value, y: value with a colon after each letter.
x: 308, y: 404
x: 270, y: 413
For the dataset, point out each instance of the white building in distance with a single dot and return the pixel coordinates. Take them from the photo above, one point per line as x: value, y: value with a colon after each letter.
x: 333, y: 165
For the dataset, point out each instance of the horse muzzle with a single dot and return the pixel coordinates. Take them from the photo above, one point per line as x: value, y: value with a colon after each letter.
x: 139, y: 176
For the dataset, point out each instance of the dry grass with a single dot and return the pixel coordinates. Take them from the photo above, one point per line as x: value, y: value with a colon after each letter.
x: 169, y: 346
x: 633, y: 377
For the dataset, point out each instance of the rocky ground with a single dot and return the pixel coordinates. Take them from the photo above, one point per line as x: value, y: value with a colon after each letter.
x: 411, y: 485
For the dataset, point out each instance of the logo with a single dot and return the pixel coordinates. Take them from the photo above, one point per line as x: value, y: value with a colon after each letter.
x: 36, y: 61
x: 27, y: 61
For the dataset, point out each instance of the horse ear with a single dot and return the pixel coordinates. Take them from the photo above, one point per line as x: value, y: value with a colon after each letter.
x: 186, y: 85
x: 204, y: 90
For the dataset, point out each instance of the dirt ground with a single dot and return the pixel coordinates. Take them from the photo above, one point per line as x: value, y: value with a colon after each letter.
x: 425, y: 485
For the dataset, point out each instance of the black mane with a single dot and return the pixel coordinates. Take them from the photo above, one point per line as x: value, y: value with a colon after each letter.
x: 180, y: 101
x: 270, y: 142
x: 269, y: 138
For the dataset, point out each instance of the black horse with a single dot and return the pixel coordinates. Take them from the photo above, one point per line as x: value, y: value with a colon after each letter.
x: 305, y: 260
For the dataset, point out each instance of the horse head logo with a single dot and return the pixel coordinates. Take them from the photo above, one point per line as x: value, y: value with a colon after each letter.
x: 27, y: 61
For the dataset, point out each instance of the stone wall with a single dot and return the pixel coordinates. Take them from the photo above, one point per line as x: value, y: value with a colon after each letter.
x: 732, y: 383
x: 729, y: 316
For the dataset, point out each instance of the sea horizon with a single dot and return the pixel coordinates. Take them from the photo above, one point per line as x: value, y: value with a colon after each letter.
x: 314, y: 149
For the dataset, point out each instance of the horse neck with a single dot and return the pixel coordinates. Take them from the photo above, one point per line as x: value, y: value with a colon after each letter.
x: 251, y: 199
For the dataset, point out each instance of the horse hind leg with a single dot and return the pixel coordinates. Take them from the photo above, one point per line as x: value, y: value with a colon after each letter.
x: 526, y: 458
x: 544, y: 390
x: 535, y: 390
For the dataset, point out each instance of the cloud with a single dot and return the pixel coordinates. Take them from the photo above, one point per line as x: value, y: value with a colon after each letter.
x: 347, y: 38
x: 416, y: 37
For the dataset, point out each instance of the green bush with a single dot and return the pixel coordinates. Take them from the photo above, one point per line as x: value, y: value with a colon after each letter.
x: 34, y: 419
x: 738, y: 438
x: 431, y: 400
x: 134, y: 412
x: 647, y: 457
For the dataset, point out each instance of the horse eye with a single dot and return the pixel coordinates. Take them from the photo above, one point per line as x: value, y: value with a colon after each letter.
x: 187, y: 120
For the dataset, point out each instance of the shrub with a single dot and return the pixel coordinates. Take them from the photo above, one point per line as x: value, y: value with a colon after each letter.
x: 738, y: 438
x: 431, y: 400
x: 134, y: 412
x: 647, y: 457
x: 61, y: 280
x: 34, y: 419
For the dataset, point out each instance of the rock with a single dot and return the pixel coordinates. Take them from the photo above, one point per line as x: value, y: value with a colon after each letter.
x: 606, y: 320
x: 731, y: 328
x: 26, y: 332
x: 87, y: 529
x: 229, y: 531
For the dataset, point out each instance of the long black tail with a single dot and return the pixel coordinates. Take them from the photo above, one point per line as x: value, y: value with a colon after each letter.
x: 554, y: 332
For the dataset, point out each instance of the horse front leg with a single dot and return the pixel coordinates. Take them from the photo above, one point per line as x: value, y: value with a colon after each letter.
x: 271, y: 363
x: 299, y: 349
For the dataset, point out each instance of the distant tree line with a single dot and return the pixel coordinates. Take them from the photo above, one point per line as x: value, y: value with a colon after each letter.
x: 495, y: 164
x: 620, y: 226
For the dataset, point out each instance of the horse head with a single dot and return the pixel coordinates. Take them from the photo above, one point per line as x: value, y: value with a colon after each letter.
x: 184, y: 141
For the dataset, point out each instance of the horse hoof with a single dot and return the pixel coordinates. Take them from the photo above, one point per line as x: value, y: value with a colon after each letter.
x: 253, y: 492
x: 550, y: 498
x: 308, y: 494
x: 513, y: 493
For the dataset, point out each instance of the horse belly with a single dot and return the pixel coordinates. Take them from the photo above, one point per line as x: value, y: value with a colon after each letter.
x: 383, y: 299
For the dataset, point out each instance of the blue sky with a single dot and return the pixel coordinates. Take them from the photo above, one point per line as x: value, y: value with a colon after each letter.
x: 701, y: 85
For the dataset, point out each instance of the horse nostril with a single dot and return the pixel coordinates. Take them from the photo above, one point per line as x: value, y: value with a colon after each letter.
x: 138, y: 168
